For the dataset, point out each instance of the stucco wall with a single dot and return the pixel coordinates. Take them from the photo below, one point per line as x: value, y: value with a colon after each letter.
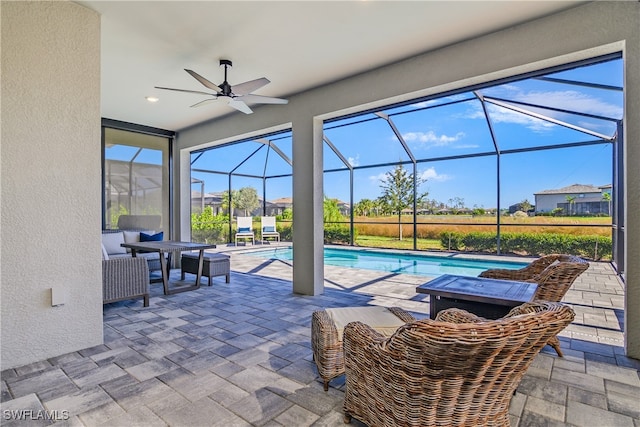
x: 50, y: 186
x: 582, y: 32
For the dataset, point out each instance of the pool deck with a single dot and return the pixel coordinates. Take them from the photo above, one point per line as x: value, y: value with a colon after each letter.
x: 239, y: 354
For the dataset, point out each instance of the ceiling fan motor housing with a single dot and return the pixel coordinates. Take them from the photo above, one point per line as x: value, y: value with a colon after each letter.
x: 225, y: 86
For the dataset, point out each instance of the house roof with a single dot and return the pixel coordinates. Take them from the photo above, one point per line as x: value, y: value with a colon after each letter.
x: 573, y: 189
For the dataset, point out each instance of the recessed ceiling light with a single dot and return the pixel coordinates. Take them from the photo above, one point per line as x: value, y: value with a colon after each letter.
x: 152, y: 99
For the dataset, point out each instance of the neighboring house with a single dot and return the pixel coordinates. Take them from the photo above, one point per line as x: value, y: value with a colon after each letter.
x: 585, y: 200
x: 198, y: 203
x: 277, y: 206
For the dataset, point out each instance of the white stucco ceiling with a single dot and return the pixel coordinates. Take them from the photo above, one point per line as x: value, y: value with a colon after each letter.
x: 297, y: 45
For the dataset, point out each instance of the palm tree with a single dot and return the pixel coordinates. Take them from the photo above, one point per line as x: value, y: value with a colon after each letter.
x: 571, y: 200
x: 607, y: 198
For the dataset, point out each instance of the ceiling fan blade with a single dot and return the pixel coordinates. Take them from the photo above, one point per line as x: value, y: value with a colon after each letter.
x: 205, y: 102
x: 240, y: 106
x: 185, y: 90
x: 204, y: 81
x: 258, y: 99
x: 248, y: 87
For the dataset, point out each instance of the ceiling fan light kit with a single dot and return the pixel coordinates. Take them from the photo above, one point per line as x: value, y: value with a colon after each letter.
x: 236, y: 96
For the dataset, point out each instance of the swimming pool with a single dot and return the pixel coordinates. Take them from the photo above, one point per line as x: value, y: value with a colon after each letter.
x: 420, y: 265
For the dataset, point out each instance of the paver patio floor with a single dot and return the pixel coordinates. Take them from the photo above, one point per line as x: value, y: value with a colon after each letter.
x: 239, y: 354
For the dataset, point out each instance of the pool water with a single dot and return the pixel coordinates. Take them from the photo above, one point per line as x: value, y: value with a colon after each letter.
x: 420, y: 265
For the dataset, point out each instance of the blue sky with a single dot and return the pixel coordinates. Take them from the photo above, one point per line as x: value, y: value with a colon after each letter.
x: 454, y: 125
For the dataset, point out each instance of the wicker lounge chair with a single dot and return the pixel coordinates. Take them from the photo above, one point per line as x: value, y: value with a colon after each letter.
x: 528, y: 273
x: 458, y: 372
x: 554, y: 275
x: 125, y: 278
x: 245, y: 229
x: 326, y: 340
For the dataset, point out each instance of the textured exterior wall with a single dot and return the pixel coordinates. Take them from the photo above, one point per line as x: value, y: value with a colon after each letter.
x: 582, y: 32
x: 50, y: 186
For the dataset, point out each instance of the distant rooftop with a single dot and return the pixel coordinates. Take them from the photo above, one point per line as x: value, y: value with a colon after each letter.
x: 575, y: 188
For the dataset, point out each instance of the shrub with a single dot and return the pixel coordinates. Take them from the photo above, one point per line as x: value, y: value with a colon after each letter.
x: 592, y: 247
x: 209, y: 228
x: 451, y: 240
x: 480, y: 242
x: 337, y: 234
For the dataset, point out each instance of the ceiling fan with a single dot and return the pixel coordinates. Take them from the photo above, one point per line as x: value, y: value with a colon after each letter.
x: 237, y: 95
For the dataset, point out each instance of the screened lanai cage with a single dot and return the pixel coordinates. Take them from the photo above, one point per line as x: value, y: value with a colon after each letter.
x: 246, y: 178
x: 525, y: 165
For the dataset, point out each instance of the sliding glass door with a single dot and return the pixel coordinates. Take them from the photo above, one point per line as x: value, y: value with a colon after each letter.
x: 136, y: 180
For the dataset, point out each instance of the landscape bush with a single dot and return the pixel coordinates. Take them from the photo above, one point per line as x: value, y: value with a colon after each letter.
x: 535, y: 244
x: 337, y: 234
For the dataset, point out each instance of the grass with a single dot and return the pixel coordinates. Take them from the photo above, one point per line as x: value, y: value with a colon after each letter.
x: 388, y: 226
x: 394, y: 243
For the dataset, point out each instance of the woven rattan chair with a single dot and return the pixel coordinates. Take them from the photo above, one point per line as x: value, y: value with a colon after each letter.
x: 125, y: 278
x: 326, y: 343
x: 527, y: 273
x: 462, y: 372
x: 553, y: 281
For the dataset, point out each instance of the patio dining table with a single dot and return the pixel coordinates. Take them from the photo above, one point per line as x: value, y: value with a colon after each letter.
x: 169, y: 247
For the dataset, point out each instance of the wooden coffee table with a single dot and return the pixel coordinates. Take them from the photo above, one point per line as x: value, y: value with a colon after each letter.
x: 489, y: 298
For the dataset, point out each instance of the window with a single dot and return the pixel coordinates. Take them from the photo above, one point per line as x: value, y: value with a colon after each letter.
x: 136, y: 178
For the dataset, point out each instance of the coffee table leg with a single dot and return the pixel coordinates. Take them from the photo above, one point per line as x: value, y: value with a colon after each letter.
x: 433, y: 311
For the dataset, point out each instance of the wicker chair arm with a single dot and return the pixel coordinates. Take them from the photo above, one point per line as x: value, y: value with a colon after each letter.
x: 124, y: 278
x: 457, y: 315
x: 526, y: 274
x: 402, y: 314
x: 505, y: 274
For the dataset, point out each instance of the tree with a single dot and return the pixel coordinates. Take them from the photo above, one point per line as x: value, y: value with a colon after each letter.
x: 398, y: 192
x: 331, y: 211
x: 571, y: 200
x: 525, y: 206
x: 225, y: 202
x: 364, y: 207
x: 607, y: 198
x: 247, y: 199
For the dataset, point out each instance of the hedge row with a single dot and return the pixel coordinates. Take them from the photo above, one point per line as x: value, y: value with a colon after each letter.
x: 535, y: 244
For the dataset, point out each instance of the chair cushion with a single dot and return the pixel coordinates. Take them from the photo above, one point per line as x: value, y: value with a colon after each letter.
x: 379, y: 318
x: 105, y: 255
x: 269, y: 229
x: 244, y: 230
x: 112, y: 241
x: 158, y: 237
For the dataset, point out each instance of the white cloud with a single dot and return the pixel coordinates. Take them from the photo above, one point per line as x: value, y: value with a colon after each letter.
x: 354, y: 161
x: 431, y: 139
x: 573, y: 101
x: 378, y: 178
x: 503, y: 115
x: 569, y: 100
x: 431, y: 175
x: 451, y: 98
